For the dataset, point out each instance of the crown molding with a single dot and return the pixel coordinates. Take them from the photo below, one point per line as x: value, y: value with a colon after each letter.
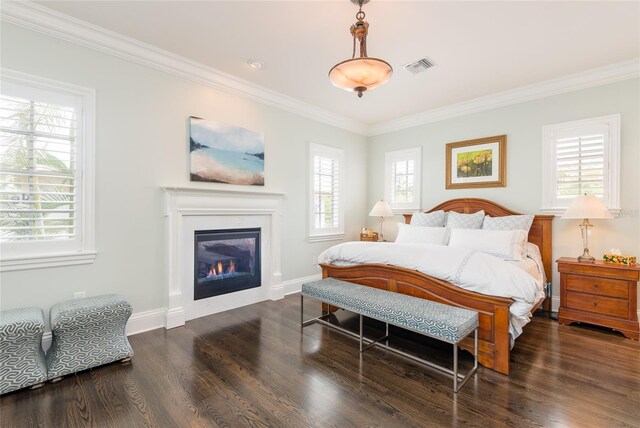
x: 44, y: 20
x: 573, y: 82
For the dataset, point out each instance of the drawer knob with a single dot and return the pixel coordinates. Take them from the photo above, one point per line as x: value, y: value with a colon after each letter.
x: 595, y: 285
x: 595, y: 303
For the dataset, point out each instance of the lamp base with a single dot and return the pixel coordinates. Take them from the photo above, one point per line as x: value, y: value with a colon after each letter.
x: 586, y: 257
x: 584, y: 229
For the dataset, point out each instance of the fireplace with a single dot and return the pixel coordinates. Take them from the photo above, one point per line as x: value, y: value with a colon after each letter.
x: 226, y: 261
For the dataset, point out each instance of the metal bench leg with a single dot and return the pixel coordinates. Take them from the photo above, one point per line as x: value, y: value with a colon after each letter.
x: 301, y: 312
x: 386, y: 332
x: 455, y: 367
x: 361, y: 335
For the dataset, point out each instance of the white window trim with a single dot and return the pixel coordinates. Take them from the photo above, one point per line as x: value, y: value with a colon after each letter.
x: 20, y: 258
x: 613, y: 154
x: 414, y: 154
x: 317, y: 235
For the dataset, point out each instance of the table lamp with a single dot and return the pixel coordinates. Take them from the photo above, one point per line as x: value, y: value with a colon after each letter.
x: 381, y: 210
x: 585, y: 207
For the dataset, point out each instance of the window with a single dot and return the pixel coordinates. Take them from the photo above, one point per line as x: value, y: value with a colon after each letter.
x: 46, y: 174
x: 327, y: 207
x: 581, y: 157
x: 402, y: 179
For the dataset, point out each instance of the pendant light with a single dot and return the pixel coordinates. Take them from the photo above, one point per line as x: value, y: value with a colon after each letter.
x: 362, y: 73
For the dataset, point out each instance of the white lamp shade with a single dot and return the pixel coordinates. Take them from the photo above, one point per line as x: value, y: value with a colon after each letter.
x: 381, y: 209
x: 586, y: 206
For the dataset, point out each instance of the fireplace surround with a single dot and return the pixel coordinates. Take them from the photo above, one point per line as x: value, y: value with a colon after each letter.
x: 188, y: 210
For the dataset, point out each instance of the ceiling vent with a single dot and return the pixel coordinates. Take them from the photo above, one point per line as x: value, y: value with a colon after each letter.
x: 423, y: 64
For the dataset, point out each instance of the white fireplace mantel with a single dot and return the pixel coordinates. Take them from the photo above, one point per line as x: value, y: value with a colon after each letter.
x: 189, y: 209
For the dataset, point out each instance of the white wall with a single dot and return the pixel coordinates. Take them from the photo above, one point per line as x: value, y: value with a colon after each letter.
x: 522, y: 123
x: 142, y: 127
x: 141, y: 145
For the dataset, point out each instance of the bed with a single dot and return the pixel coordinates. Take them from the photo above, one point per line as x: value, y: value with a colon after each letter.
x: 494, y: 339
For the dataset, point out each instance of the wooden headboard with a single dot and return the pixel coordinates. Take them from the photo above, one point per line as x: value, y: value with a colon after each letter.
x: 539, y: 234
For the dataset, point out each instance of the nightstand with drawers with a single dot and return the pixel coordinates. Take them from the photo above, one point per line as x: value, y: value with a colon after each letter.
x: 599, y: 293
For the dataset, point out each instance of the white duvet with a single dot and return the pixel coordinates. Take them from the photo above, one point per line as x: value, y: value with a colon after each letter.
x: 465, y: 268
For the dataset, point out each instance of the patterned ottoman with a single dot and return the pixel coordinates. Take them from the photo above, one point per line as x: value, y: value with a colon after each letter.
x: 22, y: 361
x: 88, y: 333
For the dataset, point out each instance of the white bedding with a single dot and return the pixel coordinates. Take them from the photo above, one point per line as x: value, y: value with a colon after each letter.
x: 465, y: 268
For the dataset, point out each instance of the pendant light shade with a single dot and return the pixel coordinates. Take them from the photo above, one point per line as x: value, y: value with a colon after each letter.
x: 362, y: 73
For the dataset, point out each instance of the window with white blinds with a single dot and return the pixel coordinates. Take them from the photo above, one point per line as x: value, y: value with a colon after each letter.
x: 43, y: 200
x: 581, y: 157
x: 327, y: 210
x: 402, y: 179
x: 37, y: 170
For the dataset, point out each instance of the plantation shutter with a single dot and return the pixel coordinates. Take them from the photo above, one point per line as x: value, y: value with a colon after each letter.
x: 581, y: 162
x: 37, y: 169
x: 326, y: 187
x: 403, y: 181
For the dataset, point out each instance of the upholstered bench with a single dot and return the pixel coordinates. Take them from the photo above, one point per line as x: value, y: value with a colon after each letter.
x: 443, y: 322
x: 88, y: 333
x: 22, y: 360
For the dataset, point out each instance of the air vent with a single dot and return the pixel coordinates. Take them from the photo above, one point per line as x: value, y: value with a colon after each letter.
x: 419, y: 66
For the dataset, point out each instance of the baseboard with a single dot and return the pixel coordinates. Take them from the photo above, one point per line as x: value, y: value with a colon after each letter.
x: 145, y: 321
x: 174, y: 318
x: 295, y: 285
x: 138, y: 323
x: 46, y: 341
x: 555, y: 303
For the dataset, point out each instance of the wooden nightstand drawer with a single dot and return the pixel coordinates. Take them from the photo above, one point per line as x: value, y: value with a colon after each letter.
x: 599, y: 286
x: 598, y: 304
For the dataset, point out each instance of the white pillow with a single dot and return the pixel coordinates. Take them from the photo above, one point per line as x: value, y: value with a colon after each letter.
x: 504, y: 244
x: 422, y: 234
x: 465, y: 221
x: 434, y: 219
x: 508, y: 222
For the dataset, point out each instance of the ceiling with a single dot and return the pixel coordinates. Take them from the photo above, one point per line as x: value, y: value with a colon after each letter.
x: 479, y: 47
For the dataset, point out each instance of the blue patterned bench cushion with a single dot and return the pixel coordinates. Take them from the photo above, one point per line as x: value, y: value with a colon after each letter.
x: 448, y: 323
x: 88, y: 333
x: 22, y: 360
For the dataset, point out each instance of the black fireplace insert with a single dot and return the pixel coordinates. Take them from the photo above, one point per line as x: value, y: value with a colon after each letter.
x: 226, y: 261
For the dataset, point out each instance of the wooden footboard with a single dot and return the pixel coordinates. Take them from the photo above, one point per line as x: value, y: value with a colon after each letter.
x: 493, y: 339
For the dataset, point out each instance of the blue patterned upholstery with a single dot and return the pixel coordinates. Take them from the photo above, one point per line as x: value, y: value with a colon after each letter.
x: 22, y: 360
x: 448, y: 323
x: 88, y: 333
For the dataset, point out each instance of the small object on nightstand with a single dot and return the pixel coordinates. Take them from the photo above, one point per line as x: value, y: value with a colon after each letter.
x: 619, y: 259
x: 369, y: 237
x: 599, y: 293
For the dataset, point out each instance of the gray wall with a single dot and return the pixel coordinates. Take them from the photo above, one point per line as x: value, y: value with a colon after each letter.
x: 141, y: 145
x: 522, y: 123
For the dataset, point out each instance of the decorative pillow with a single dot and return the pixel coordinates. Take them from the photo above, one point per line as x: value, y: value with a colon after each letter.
x: 434, y: 219
x: 465, y: 221
x: 508, y: 222
x: 504, y: 244
x: 422, y: 234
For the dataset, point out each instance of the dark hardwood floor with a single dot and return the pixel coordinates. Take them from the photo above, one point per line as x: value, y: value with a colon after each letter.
x: 252, y: 367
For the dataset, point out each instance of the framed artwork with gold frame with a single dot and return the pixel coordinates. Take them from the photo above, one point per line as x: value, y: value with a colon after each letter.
x: 477, y: 163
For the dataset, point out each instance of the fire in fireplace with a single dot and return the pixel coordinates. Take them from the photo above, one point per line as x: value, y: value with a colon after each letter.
x: 226, y: 261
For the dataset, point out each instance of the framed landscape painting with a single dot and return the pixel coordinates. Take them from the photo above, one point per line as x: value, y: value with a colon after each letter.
x: 222, y: 153
x: 477, y: 163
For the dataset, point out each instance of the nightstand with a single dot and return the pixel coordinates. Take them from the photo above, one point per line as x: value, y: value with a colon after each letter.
x: 599, y: 293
